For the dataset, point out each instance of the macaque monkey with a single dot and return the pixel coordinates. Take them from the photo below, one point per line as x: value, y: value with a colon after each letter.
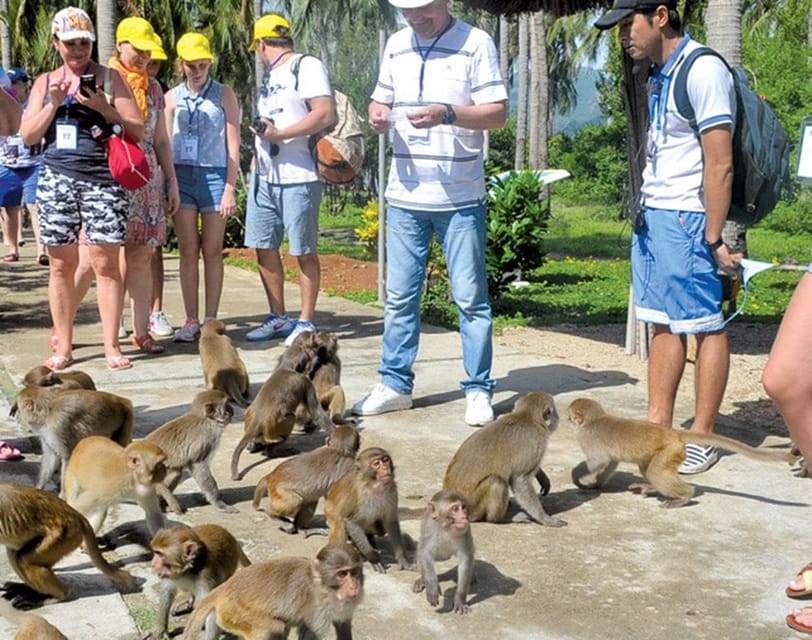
x: 506, y: 455
x: 38, y: 530
x: 223, y: 369
x: 364, y: 503
x: 42, y: 376
x: 101, y: 473
x: 190, y: 442
x: 302, y: 356
x: 445, y: 531
x: 195, y: 560
x: 62, y: 418
x: 270, y: 418
x: 326, y: 376
x: 31, y: 626
x: 267, y: 599
x: 295, y: 486
x: 657, y: 451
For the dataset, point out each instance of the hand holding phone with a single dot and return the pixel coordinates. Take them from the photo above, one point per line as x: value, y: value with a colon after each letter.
x: 87, y: 84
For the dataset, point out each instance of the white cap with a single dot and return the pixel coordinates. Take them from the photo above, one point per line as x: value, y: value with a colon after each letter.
x: 410, y: 4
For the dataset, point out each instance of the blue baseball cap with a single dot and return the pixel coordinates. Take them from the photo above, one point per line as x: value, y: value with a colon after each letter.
x: 16, y: 74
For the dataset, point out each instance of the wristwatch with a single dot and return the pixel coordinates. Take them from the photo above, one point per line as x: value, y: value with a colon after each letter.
x: 713, y: 246
x: 450, y: 115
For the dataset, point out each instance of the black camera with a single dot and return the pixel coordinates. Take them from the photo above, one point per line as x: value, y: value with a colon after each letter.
x: 87, y: 84
x: 259, y: 125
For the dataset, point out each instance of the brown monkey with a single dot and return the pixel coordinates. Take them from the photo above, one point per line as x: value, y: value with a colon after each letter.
x: 32, y: 626
x: 101, y: 473
x: 445, y: 531
x: 506, y: 455
x: 364, y: 502
x: 42, y: 376
x: 190, y: 442
x: 302, y: 356
x: 195, y: 560
x: 658, y: 452
x: 223, y: 369
x: 62, y: 418
x: 326, y: 376
x: 295, y: 486
x: 270, y: 418
x: 38, y: 530
x: 269, y: 598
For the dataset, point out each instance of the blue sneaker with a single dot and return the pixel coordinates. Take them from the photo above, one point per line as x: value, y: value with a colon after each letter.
x: 300, y: 326
x: 274, y: 326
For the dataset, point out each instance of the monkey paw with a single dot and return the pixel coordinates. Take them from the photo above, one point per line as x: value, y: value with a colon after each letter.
x: 644, y: 488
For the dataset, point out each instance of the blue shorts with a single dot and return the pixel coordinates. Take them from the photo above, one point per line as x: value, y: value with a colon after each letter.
x: 13, y: 182
x: 674, y: 273
x: 201, y: 188
x: 275, y: 209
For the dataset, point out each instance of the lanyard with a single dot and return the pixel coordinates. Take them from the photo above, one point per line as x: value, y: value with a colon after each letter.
x: 425, y: 56
x: 198, y: 100
x: 279, y: 57
x: 661, y: 84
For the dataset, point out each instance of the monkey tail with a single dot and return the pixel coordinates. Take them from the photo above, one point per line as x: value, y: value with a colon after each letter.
x: 122, y: 578
x: 259, y: 493
x: 317, y: 412
x: 235, y: 393
x: 729, y: 444
x: 199, y: 614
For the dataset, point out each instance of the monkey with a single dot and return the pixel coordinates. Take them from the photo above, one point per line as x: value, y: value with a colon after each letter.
x: 194, y: 559
x: 62, y: 418
x: 101, y: 473
x: 189, y: 442
x: 295, y: 486
x: 269, y: 598
x: 302, y: 356
x: 445, y: 531
x: 326, y: 376
x: 364, y: 502
x: 32, y: 626
x: 38, y: 529
x: 657, y: 451
x: 223, y: 369
x: 42, y: 376
x: 505, y: 456
x: 270, y: 418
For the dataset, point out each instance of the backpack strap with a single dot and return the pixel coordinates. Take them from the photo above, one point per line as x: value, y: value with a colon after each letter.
x: 294, y: 69
x: 681, y: 99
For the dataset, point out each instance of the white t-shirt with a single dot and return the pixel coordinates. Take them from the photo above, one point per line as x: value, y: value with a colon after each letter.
x: 280, y: 101
x: 440, y: 168
x: 672, y: 178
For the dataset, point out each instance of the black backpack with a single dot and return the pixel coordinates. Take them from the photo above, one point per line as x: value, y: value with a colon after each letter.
x: 760, y: 145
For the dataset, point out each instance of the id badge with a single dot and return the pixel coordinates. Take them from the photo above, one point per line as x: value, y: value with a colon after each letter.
x: 188, y: 148
x: 67, y: 135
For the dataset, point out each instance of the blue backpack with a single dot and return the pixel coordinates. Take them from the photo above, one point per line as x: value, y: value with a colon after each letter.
x: 760, y: 145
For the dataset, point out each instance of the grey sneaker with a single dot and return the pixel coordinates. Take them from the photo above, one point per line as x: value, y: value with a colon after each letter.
x: 698, y: 458
x: 478, y: 410
x: 299, y: 326
x: 274, y: 326
x: 159, y: 325
x: 382, y: 399
x: 189, y: 332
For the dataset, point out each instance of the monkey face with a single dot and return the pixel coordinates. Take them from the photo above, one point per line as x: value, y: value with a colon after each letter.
x: 382, y: 468
x: 457, y: 516
x: 348, y: 582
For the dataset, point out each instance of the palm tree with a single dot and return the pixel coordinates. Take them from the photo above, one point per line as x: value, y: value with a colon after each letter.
x: 520, y: 71
x: 539, y: 92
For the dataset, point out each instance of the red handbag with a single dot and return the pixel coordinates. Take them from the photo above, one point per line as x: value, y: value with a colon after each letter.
x: 127, y: 161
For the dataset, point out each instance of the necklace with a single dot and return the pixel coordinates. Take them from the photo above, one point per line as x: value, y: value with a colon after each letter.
x: 279, y: 57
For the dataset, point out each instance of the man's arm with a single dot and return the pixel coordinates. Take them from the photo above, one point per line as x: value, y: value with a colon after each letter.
x: 717, y: 185
x: 490, y: 115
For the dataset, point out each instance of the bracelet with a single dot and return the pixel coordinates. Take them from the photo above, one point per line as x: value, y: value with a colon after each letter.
x: 714, y: 246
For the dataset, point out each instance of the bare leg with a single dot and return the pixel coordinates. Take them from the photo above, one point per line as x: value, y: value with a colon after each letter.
x: 11, y: 228
x: 109, y: 293
x: 157, y: 268
x: 189, y: 246
x: 61, y: 291
x: 666, y: 363
x: 214, y: 227
x: 82, y: 277
x: 710, y: 380
x: 272, y: 274
x: 139, y: 284
x: 309, y: 280
x: 32, y: 212
x: 787, y: 377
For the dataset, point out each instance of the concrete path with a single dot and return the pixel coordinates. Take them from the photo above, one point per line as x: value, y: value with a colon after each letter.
x: 623, y: 569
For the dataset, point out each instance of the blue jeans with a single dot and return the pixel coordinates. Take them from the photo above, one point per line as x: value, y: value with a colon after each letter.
x: 462, y: 237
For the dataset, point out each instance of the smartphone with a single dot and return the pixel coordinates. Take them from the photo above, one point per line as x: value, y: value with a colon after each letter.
x: 87, y: 84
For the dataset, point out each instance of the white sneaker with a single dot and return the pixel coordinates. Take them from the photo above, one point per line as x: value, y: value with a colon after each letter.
x: 478, y: 410
x: 159, y: 325
x: 299, y: 326
x: 122, y: 332
x: 382, y: 399
x: 189, y: 332
x: 698, y: 458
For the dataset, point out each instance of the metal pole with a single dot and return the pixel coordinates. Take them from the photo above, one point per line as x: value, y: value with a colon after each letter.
x: 381, y: 204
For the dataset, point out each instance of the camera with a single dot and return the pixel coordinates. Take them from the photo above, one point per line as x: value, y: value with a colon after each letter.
x: 259, y: 125
x: 87, y: 84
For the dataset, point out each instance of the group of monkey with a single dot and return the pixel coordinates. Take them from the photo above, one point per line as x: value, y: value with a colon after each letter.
x: 87, y: 446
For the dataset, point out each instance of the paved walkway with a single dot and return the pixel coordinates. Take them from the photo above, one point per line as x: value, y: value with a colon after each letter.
x: 623, y: 568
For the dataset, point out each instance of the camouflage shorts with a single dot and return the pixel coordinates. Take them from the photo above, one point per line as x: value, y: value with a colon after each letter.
x: 65, y: 205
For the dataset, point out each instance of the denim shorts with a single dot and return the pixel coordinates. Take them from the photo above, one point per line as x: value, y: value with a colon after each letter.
x: 674, y: 273
x: 275, y: 209
x: 201, y: 188
x: 14, y: 184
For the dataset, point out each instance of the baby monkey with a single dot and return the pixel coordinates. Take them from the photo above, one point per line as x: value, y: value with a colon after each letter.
x: 658, y: 452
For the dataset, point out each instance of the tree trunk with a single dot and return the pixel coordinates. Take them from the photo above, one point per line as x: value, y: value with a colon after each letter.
x: 105, y: 29
x: 521, y: 82
x: 504, y: 54
x: 539, y: 92
x: 5, y: 37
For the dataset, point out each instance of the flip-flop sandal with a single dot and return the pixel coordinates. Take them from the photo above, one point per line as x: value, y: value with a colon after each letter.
x: 11, y: 257
x: 58, y: 363
x: 53, y: 341
x: 793, y: 623
x: 116, y: 363
x: 806, y: 574
x: 8, y: 452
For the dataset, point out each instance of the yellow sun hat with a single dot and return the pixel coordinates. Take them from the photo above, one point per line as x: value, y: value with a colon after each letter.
x: 271, y: 25
x: 158, y: 52
x: 194, y: 46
